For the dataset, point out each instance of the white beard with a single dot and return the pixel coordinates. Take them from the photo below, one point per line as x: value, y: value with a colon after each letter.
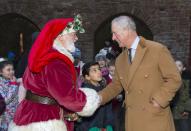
x: 60, y: 48
x: 70, y: 46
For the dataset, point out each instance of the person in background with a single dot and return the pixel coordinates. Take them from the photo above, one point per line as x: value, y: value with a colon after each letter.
x: 2, y: 100
x: 117, y: 103
x: 102, y: 120
x: 53, y: 101
x: 180, y: 114
x: 9, y: 91
x: 147, y: 73
x: 111, y: 68
x: 78, y: 63
x: 186, y: 74
x: 101, y: 59
x: 114, y: 51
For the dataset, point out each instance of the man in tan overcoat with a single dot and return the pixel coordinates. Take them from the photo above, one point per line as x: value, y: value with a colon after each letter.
x: 148, y: 75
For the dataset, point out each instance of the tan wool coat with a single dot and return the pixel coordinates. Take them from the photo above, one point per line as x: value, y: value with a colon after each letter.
x: 152, y: 75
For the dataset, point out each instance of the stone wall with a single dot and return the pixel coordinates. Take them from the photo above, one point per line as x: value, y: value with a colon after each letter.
x: 169, y: 20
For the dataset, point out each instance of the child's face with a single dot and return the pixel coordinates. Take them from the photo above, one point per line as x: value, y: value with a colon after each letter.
x: 95, y: 74
x: 8, y: 72
x: 102, y: 63
x: 111, y: 70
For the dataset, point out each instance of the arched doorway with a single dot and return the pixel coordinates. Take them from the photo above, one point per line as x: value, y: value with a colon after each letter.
x: 103, y: 33
x: 15, y: 30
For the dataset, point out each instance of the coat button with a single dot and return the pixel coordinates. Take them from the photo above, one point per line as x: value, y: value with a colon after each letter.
x: 127, y: 92
x: 120, y: 78
x: 146, y: 76
x: 140, y: 91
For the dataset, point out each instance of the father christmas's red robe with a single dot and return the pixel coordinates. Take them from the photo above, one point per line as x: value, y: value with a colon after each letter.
x: 55, y: 81
x: 51, y: 73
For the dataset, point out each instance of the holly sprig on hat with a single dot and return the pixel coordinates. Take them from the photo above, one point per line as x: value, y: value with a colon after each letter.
x: 76, y: 24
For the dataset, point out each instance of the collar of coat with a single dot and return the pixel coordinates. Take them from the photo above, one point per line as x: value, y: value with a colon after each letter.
x: 131, y: 69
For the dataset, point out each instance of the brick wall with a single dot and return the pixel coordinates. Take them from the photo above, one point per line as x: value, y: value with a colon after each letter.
x: 168, y: 20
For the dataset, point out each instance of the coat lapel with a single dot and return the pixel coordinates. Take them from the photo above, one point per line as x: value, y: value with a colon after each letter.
x: 141, y: 49
x: 124, y: 69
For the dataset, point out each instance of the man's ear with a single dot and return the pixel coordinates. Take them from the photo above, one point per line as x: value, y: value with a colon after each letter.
x: 127, y: 32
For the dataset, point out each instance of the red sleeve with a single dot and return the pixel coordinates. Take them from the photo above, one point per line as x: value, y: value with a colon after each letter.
x: 59, y: 85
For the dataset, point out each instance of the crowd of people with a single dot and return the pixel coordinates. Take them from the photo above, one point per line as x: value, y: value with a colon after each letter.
x: 131, y: 85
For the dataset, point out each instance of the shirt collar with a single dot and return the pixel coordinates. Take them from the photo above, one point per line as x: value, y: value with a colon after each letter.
x: 135, y: 43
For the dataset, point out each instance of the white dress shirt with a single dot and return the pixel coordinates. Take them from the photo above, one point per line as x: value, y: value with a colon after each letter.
x: 134, y: 47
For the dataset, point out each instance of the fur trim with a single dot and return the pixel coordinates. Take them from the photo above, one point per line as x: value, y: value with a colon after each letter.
x: 92, y: 102
x: 51, y: 125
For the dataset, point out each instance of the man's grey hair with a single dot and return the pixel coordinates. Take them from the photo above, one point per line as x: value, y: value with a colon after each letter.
x: 124, y: 22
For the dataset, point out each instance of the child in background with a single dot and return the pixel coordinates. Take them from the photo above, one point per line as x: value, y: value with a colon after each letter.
x: 111, y: 68
x: 102, y: 118
x: 9, y: 91
x: 102, y: 61
x: 117, y: 103
x: 179, y: 103
x: 78, y: 63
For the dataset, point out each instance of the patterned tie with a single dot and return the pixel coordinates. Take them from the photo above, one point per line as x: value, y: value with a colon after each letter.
x: 129, y: 54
